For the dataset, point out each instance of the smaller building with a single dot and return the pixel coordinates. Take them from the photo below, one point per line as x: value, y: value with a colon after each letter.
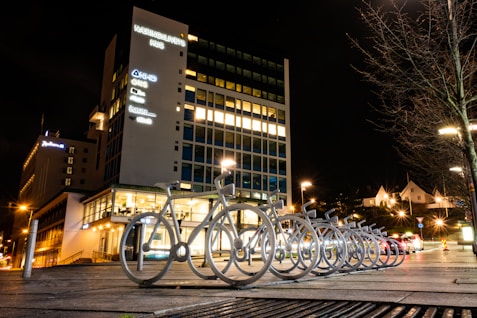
x: 413, y: 194
x: 54, y: 166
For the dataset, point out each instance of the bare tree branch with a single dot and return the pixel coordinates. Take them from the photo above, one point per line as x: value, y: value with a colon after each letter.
x: 420, y: 56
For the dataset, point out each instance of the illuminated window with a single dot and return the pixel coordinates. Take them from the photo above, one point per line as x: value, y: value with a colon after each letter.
x: 238, y: 104
x: 67, y: 182
x: 192, y: 38
x: 219, y: 82
x: 246, y: 106
x: 71, y: 149
x: 257, y: 125
x: 219, y: 117
x: 281, y: 131
x: 190, y: 88
x: 272, y: 129
x: 229, y: 102
x: 256, y: 109
x: 230, y: 85
x: 247, y: 90
x: 219, y: 100
x: 257, y: 92
x: 202, y: 78
x: 229, y: 119
x: 238, y: 121
x: 70, y: 160
x: 210, y: 115
x: 191, y: 73
x: 199, y: 113
x: 272, y: 112
x: 69, y: 170
x: 201, y: 96
x: 247, y: 123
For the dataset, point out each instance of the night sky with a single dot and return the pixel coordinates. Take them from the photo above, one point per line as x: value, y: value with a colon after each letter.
x: 52, y: 56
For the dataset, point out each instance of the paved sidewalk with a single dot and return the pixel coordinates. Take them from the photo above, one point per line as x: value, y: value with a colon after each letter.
x: 431, y: 277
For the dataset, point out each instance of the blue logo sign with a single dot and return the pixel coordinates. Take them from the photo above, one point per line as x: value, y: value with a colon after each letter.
x: 420, y: 225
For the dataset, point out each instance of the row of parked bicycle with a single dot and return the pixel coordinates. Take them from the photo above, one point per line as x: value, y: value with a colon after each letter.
x: 242, y: 242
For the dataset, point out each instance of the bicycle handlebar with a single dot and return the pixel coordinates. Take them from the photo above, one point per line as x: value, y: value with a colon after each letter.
x: 222, y: 176
x: 327, y: 213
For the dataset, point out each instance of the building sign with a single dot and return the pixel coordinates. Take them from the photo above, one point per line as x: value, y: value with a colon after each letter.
x: 158, y: 39
x: 52, y: 144
x: 137, y: 94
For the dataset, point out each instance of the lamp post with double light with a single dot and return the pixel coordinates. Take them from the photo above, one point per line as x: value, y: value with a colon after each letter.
x: 29, y: 247
x: 25, y: 208
x: 467, y: 172
x: 304, y: 185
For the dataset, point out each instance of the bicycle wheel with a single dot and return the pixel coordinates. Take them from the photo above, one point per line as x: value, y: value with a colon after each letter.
x: 145, y: 250
x: 385, y: 256
x: 373, y: 251
x: 238, y: 260
x: 356, y: 251
x: 198, y: 263
x: 398, y: 252
x: 333, y: 249
x: 297, y: 248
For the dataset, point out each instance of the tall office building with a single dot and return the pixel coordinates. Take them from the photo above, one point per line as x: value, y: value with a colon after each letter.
x: 174, y: 105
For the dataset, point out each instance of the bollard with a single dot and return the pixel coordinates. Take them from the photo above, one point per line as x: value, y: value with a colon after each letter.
x: 30, y: 251
x: 444, y: 244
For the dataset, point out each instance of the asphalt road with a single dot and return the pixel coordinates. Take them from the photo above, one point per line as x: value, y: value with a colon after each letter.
x: 430, y: 277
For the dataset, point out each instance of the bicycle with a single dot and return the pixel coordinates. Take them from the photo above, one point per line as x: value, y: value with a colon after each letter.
x: 297, y: 248
x: 333, y: 248
x: 152, y: 241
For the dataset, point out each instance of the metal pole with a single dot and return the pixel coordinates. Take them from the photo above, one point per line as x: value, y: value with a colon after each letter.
x: 30, y: 252
x: 473, y: 204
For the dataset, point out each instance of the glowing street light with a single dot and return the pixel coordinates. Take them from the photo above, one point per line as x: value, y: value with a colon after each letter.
x: 224, y: 164
x: 24, y: 207
x: 466, y: 173
x: 304, y: 185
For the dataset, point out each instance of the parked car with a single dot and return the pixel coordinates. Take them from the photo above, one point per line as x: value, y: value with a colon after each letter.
x: 416, y: 242
x: 404, y: 243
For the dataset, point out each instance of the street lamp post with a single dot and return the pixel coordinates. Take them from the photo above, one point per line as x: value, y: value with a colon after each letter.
x: 29, y: 248
x: 468, y: 175
x: 304, y: 185
x: 26, y: 208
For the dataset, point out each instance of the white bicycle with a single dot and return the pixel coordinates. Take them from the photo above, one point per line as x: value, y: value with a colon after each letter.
x: 152, y: 241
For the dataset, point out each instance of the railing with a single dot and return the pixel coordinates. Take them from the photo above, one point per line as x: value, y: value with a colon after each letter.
x: 102, y: 257
x: 72, y: 258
